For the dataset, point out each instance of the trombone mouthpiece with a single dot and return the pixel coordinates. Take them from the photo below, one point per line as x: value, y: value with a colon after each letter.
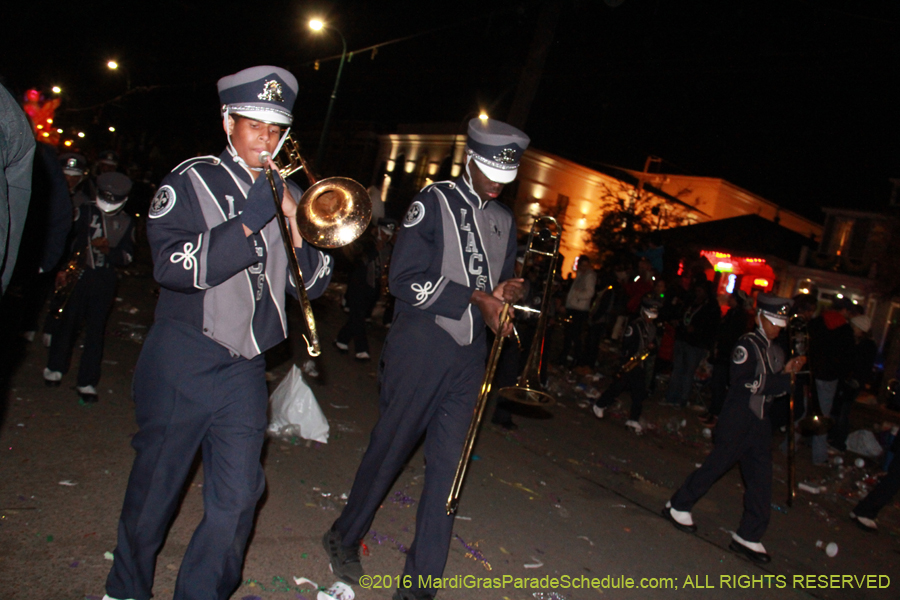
x: 264, y: 157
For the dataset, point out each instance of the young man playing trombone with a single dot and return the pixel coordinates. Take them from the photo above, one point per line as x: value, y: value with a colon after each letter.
x: 200, y: 380
x: 451, y: 271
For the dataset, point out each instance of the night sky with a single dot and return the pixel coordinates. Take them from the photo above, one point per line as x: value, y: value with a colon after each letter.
x: 794, y: 100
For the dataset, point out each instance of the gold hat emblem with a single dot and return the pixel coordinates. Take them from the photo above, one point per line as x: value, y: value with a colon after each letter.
x: 271, y: 92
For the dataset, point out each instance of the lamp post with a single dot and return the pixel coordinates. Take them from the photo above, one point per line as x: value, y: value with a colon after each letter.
x: 318, y: 25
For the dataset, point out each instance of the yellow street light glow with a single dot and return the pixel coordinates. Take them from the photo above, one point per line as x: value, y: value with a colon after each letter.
x: 67, y: 143
x: 39, y: 126
x: 56, y: 89
x: 483, y: 116
x: 112, y: 129
x: 112, y: 65
x: 316, y: 24
x: 81, y: 134
x: 50, y: 121
x: 59, y: 131
x: 45, y: 134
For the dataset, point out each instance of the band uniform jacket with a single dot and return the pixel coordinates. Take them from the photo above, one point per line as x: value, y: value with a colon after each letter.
x: 92, y: 223
x: 213, y: 277
x: 756, y: 373
x: 639, y: 337
x: 450, y: 244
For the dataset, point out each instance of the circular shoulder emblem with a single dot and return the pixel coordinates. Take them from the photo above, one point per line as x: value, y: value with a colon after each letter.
x: 414, y: 215
x: 739, y: 356
x: 162, y: 202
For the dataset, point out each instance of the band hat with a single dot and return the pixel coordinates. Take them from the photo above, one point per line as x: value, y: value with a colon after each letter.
x: 387, y: 226
x: 108, y: 157
x: 112, y: 191
x: 73, y: 164
x: 862, y: 322
x: 496, y: 147
x: 775, y: 309
x: 264, y: 93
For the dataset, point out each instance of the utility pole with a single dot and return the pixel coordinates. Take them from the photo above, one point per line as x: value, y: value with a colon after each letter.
x: 533, y: 70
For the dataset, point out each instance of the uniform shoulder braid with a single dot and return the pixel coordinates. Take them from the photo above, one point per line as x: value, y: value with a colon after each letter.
x: 196, y: 160
x: 442, y: 185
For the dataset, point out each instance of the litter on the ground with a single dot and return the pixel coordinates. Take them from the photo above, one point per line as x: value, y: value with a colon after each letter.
x: 338, y: 591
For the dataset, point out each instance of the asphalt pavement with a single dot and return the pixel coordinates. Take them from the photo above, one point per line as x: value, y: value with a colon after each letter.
x: 564, y: 507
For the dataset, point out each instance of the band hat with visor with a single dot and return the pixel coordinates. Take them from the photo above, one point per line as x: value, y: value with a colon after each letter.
x: 108, y: 157
x: 73, y: 164
x: 775, y: 309
x: 266, y: 94
x: 112, y: 191
x: 496, y: 147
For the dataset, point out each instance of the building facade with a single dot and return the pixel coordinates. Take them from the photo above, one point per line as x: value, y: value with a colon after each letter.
x: 577, y: 196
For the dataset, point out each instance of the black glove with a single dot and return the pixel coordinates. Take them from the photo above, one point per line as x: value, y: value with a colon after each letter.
x: 260, y: 208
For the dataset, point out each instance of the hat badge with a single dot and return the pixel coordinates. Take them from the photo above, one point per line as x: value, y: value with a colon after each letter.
x: 72, y: 163
x: 506, y: 156
x: 271, y: 91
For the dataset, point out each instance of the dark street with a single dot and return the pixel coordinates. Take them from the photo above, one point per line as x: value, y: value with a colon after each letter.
x: 564, y: 496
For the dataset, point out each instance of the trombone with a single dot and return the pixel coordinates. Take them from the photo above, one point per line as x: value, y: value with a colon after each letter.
x: 331, y: 213
x: 527, y: 389
x: 73, y: 270
x: 542, y: 242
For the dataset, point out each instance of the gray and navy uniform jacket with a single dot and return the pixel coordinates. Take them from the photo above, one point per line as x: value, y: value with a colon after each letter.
x: 639, y: 336
x: 213, y: 277
x: 756, y: 374
x: 91, y: 223
x: 451, y: 243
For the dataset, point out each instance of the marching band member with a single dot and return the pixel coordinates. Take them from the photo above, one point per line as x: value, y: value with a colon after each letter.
x: 104, y: 239
x: 200, y: 380
x: 451, y: 271
x: 744, y: 430
x: 638, y: 344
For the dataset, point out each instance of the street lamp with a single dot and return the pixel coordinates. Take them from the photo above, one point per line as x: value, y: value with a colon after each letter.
x: 114, y: 66
x: 319, y: 25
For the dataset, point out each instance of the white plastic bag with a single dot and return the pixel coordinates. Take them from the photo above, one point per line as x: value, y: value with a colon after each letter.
x: 863, y: 441
x: 294, y: 410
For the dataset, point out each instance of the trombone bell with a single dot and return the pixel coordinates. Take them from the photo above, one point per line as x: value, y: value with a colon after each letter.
x: 527, y: 393
x: 542, y: 242
x: 333, y: 212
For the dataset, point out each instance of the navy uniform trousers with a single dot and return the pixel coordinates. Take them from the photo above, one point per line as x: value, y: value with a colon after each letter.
x: 190, y: 392
x: 91, y: 300
x: 744, y: 438
x: 429, y: 385
x: 635, y: 381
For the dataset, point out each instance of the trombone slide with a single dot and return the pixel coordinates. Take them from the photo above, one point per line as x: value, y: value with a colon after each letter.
x: 312, y: 341
x: 463, y: 464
